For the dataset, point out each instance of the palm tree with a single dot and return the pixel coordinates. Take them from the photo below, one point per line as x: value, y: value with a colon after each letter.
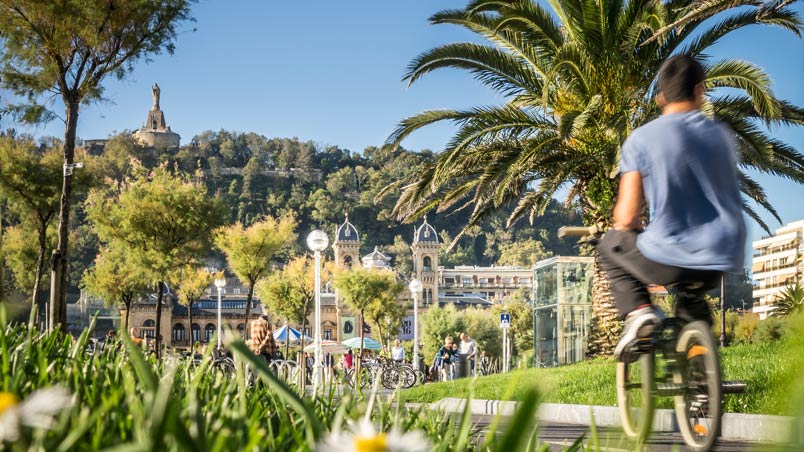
x: 577, y: 80
x: 789, y: 301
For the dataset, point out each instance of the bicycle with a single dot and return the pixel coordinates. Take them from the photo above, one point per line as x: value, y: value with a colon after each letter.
x: 690, y: 372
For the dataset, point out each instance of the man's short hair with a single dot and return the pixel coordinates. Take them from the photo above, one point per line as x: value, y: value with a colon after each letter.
x: 678, y: 78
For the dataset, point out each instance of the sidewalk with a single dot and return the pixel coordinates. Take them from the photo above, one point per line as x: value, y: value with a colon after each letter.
x: 743, y: 427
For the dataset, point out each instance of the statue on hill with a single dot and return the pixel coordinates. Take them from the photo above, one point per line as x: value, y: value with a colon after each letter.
x: 155, y: 92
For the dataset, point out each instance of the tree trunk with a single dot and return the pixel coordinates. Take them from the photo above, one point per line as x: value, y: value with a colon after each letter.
x: 248, y: 307
x: 604, y: 331
x: 40, y: 268
x: 2, y: 258
x: 362, y: 342
x: 157, y: 336
x: 190, y: 318
x: 127, y: 303
x: 58, y: 277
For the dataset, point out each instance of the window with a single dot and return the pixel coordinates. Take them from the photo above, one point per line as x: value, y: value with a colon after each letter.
x: 241, y: 327
x: 427, y: 264
x: 150, y: 323
x: 236, y: 291
x: 347, y: 262
x: 196, y: 332
x: 178, y: 332
x: 209, y: 331
x: 327, y: 335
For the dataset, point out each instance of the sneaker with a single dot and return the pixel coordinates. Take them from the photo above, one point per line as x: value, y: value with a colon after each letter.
x: 639, y: 326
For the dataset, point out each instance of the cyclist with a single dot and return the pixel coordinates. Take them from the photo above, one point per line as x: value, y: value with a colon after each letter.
x: 685, y: 166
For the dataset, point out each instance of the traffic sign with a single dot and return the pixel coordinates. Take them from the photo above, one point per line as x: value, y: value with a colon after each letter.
x: 505, y: 320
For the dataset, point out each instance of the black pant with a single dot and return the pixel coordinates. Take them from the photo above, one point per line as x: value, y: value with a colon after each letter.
x: 630, y: 272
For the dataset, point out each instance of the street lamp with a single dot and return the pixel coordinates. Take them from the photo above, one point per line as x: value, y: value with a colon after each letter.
x: 317, y: 241
x: 415, y: 287
x: 220, y: 283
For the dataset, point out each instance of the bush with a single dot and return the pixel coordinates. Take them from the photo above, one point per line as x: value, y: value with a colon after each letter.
x: 745, y: 328
x: 770, y: 329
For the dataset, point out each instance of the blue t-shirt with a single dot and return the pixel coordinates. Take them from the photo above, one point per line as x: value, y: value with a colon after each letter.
x: 689, y: 176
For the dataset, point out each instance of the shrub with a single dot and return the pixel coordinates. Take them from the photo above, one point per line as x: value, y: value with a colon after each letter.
x: 770, y: 329
x: 745, y: 328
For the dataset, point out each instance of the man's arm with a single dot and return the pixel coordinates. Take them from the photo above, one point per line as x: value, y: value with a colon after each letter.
x: 628, y: 210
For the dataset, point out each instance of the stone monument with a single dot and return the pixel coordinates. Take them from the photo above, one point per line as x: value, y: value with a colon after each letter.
x: 156, y: 133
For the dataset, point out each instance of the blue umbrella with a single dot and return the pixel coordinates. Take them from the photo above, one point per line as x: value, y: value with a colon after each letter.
x: 281, y: 335
x: 368, y: 343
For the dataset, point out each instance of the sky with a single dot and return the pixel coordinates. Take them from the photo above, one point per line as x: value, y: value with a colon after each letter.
x: 331, y: 72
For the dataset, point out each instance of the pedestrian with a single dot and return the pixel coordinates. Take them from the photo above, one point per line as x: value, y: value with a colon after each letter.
x: 484, y: 363
x: 444, y: 358
x: 262, y: 338
x: 398, y: 352
x: 308, y: 369
x: 134, y: 338
x: 348, y: 359
x: 454, y: 361
x: 468, y: 350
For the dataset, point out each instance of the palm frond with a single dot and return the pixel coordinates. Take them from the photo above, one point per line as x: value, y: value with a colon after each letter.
x: 748, y: 77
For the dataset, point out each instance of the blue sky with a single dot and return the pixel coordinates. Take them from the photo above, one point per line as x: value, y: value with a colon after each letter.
x: 330, y: 72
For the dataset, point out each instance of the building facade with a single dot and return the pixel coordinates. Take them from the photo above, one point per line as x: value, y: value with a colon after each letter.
x: 777, y: 263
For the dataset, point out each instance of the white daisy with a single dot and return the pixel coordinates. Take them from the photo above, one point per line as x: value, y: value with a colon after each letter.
x: 363, y: 437
x: 37, y: 411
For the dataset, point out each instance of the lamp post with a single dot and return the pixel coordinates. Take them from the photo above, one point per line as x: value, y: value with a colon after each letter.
x: 317, y: 241
x: 415, y: 287
x: 220, y: 283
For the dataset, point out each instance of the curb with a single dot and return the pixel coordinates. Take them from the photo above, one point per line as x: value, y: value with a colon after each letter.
x: 736, y: 426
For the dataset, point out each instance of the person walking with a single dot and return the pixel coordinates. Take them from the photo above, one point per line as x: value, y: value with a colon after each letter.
x: 262, y: 338
x: 445, y: 354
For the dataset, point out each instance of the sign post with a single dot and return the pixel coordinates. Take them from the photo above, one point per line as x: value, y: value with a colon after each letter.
x: 505, y: 324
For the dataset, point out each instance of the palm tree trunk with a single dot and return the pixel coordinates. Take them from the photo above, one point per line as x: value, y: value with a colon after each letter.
x: 604, y: 331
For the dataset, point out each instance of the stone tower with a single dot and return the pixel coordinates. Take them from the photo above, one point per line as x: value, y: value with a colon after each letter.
x: 425, y: 261
x: 346, y: 245
x: 156, y: 133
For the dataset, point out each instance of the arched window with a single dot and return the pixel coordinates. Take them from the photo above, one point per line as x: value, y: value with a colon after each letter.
x: 178, y: 332
x: 209, y: 331
x: 347, y: 261
x: 196, y: 332
x: 241, y: 327
x: 427, y: 264
x: 149, y: 329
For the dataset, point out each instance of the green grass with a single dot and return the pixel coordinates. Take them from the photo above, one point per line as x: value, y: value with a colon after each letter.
x: 768, y: 368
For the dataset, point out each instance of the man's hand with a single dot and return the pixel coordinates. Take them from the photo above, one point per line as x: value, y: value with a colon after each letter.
x: 628, y: 210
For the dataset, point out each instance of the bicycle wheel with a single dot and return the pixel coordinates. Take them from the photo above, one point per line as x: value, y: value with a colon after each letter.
x: 699, y: 408
x: 635, y: 396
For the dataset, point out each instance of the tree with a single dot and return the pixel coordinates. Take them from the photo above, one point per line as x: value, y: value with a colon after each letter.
x: 290, y: 293
x: 30, y: 178
x: 116, y: 279
x: 164, y: 221
x: 250, y: 250
x: 525, y: 253
x: 192, y: 286
x: 365, y: 291
x: 521, y: 311
x: 576, y: 81
x: 68, y: 49
x: 437, y: 324
x: 789, y: 301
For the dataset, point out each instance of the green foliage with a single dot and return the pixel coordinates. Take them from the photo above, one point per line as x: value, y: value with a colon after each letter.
x: 115, y: 279
x: 521, y: 311
x: 769, y: 330
x: 525, y: 253
x: 574, y: 86
x: 789, y: 301
x: 437, y: 324
x: 290, y: 293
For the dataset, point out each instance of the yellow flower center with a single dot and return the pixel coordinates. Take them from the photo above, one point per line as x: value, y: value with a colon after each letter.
x: 376, y: 443
x: 7, y: 400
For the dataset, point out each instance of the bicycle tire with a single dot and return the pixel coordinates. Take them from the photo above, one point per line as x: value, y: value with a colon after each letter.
x: 637, y: 399
x: 700, y: 408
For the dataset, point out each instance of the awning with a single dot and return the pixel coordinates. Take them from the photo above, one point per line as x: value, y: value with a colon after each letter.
x: 757, y: 267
